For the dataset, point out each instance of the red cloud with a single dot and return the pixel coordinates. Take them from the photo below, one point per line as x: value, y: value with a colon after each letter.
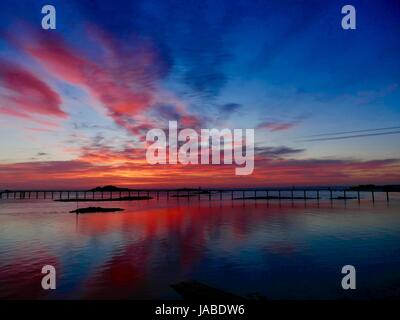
x: 121, y: 168
x: 24, y: 94
x: 121, y: 78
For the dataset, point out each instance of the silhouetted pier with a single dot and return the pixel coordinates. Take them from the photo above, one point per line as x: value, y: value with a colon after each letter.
x: 210, y: 194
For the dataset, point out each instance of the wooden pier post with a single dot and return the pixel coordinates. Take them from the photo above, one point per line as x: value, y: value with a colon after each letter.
x: 279, y: 194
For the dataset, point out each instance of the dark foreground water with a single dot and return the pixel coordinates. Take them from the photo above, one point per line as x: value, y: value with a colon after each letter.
x: 279, y: 250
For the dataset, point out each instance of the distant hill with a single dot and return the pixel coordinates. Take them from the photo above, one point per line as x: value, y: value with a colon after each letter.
x: 372, y: 187
x: 109, y: 188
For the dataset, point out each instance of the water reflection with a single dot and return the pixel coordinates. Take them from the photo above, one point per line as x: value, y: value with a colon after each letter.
x: 280, y: 249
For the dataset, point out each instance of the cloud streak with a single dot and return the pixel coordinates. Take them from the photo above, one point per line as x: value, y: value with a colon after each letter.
x: 102, y: 166
x: 122, y: 78
x: 24, y: 95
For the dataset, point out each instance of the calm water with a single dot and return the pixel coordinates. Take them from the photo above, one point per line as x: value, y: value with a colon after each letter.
x: 279, y: 250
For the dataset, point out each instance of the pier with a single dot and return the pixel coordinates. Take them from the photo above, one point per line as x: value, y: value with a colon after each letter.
x: 306, y: 194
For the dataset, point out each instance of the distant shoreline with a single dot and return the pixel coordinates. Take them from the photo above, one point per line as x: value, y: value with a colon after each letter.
x: 110, y: 188
x: 108, y: 199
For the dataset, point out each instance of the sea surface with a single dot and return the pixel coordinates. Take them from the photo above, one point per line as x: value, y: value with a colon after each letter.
x: 274, y: 249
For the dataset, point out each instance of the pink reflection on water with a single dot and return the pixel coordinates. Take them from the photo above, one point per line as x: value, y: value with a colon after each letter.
x: 141, y: 251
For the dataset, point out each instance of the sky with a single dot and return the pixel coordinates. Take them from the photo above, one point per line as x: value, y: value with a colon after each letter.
x: 76, y: 102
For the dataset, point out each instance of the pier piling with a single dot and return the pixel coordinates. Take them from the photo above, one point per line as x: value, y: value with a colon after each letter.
x: 252, y: 193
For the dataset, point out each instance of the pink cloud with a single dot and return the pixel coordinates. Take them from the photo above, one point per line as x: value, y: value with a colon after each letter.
x: 121, y: 78
x: 276, y: 126
x: 24, y: 95
x: 105, y: 166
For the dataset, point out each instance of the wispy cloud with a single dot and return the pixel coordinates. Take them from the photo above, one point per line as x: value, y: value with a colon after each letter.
x: 102, y: 165
x: 276, y: 126
x: 273, y: 152
x: 122, y: 79
x: 25, y: 95
x: 279, y: 125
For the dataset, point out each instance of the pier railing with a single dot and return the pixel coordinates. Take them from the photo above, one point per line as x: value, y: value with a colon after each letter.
x: 211, y: 194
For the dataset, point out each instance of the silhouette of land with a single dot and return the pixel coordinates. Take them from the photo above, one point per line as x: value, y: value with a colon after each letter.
x: 274, y: 198
x: 372, y: 187
x: 95, y: 209
x: 195, y: 291
x: 132, y: 198
x: 110, y: 188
